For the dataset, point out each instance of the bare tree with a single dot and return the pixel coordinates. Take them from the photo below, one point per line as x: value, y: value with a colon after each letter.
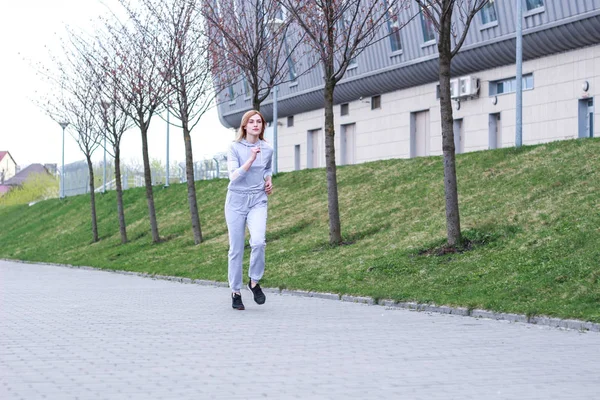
x: 111, y: 120
x: 187, y: 59
x: 249, y: 39
x: 77, y: 105
x: 141, y: 81
x: 452, y: 30
x: 338, y: 31
x: 114, y: 124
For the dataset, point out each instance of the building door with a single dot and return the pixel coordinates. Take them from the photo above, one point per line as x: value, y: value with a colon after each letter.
x: 586, y: 118
x: 348, y: 141
x: 495, y: 131
x: 458, y: 136
x: 419, y: 137
x: 590, y: 120
x: 297, y: 157
x: 314, y: 141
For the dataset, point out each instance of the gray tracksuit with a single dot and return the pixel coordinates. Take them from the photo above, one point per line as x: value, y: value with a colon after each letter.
x: 246, y: 203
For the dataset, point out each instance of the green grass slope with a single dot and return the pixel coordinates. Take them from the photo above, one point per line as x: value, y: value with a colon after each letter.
x: 532, y: 214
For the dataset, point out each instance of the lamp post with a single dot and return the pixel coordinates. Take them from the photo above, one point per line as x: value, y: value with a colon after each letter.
x: 275, y: 24
x: 105, y: 105
x: 519, y: 77
x: 168, y: 125
x: 63, y: 125
x: 275, y: 90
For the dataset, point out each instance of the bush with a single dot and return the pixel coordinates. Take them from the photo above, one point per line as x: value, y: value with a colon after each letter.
x: 37, y: 187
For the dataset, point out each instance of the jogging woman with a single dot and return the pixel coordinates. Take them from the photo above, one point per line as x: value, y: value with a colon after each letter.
x: 249, y: 166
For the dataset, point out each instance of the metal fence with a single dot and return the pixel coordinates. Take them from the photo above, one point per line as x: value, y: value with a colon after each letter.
x: 206, y: 169
x: 77, y: 179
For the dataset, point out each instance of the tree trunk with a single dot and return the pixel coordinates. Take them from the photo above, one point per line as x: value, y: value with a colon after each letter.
x: 148, y: 183
x: 335, y: 229
x: 122, y: 226
x: 93, y: 200
x: 450, y: 182
x: 255, y: 103
x: 191, y: 185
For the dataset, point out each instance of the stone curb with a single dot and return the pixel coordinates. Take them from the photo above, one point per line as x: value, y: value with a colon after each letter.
x: 358, y: 299
x: 571, y: 324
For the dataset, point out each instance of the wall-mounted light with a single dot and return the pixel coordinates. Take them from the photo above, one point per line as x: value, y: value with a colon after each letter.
x: 494, y: 100
x: 457, y: 105
x: 585, y: 86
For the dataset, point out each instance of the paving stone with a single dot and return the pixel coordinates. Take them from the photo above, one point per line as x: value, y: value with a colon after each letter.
x: 79, y: 333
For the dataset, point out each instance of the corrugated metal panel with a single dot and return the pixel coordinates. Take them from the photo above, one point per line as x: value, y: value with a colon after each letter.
x: 560, y: 26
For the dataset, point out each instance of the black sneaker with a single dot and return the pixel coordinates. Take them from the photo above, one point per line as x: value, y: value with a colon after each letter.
x: 259, y: 296
x: 236, y: 302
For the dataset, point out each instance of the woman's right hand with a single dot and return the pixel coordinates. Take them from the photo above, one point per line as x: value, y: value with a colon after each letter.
x: 254, y: 152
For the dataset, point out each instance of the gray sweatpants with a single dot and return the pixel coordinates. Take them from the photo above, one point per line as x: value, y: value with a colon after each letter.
x: 241, y: 209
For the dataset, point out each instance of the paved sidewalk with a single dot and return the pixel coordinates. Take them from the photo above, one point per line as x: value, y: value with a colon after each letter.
x: 78, y: 334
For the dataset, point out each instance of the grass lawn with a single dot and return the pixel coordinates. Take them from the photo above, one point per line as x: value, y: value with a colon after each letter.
x: 532, y: 214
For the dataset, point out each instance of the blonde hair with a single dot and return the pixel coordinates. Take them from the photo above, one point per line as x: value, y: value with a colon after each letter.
x: 244, y: 123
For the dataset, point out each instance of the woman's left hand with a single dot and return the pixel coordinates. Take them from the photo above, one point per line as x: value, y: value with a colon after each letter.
x: 268, y: 185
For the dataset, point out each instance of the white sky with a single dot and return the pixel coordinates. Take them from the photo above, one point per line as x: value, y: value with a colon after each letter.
x: 27, y: 30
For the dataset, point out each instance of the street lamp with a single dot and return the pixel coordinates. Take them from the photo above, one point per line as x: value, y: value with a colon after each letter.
x: 275, y: 90
x: 62, y: 170
x: 105, y: 105
x: 274, y: 24
x: 519, y: 77
x: 168, y: 125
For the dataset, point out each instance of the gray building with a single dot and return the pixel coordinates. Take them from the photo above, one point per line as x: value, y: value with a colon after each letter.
x: 387, y: 104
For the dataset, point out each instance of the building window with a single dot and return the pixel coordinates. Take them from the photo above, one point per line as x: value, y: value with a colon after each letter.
x: 246, y: 87
x: 488, y: 14
x: 375, y: 102
x: 280, y: 15
x: 394, y: 30
x: 290, y: 61
x: 345, y: 24
x: 345, y: 109
x: 428, y: 28
x: 352, y: 63
x: 533, y: 4
x: 231, y: 94
x: 292, y: 69
x: 290, y: 121
x: 510, y: 85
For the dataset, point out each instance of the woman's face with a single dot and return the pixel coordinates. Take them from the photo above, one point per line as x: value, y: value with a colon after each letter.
x: 254, y: 125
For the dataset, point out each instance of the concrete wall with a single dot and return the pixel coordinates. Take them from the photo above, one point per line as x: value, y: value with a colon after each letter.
x: 550, y: 112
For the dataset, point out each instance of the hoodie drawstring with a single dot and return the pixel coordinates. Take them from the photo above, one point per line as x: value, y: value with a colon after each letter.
x: 259, y: 146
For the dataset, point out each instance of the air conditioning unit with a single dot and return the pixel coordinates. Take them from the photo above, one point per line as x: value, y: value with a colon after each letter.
x: 454, y: 88
x: 468, y: 86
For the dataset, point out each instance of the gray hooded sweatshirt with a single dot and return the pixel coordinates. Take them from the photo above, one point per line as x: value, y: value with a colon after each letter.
x: 253, y: 180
